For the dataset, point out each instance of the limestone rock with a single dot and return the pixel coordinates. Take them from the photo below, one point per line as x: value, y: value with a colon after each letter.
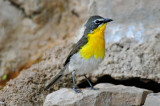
x: 9, y: 21
x: 152, y: 99
x: 127, y: 60
x: 132, y: 42
x: 29, y: 27
x: 107, y: 95
x: 26, y: 32
x: 28, y: 88
x: 131, y: 18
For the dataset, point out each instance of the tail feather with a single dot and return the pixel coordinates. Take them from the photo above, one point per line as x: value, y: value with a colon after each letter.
x: 55, y: 79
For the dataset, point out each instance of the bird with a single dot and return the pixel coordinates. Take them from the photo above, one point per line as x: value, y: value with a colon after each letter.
x: 87, y: 53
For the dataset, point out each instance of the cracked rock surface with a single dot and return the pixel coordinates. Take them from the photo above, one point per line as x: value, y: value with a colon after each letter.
x: 107, y: 95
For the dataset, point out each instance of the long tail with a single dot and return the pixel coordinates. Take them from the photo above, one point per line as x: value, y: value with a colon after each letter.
x: 55, y: 79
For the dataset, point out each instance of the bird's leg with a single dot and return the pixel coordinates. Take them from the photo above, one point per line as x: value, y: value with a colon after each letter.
x: 74, y: 85
x: 91, y: 86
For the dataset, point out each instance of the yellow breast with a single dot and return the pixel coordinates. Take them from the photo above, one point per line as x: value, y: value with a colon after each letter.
x: 96, y: 44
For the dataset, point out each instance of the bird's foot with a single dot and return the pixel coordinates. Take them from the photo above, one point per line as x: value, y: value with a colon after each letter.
x: 77, y: 90
x: 92, y: 88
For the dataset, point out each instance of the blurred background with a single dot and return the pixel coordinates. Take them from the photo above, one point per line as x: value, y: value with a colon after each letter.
x: 32, y: 31
x: 28, y: 28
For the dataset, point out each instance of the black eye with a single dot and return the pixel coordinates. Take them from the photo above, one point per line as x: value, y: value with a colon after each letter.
x: 97, y: 21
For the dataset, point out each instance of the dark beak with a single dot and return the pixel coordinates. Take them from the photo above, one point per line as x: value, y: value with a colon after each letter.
x: 107, y: 20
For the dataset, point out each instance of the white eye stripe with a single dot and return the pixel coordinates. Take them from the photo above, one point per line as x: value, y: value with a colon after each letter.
x: 98, y: 21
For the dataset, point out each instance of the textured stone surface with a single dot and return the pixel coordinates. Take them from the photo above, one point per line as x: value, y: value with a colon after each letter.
x: 127, y: 60
x: 107, y: 95
x: 27, y: 31
x: 29, y: 27
x: 132, y: 48
x: 9, y: 21
x: 28, y: 87
x: 152, y: 99
x: 130, y: 17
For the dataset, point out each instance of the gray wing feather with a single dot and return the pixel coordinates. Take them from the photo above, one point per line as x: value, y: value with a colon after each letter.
x: 76, y: 48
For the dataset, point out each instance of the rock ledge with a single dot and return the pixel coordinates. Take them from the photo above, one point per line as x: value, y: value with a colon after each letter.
x: 107, y: 95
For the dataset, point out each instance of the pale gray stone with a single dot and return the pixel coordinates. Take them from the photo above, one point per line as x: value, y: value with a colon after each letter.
x: 153, y: 99
x: 107, y: 95
x: 132, y: 42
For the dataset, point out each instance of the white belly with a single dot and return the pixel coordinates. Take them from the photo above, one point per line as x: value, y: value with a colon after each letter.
x: 83, y: 66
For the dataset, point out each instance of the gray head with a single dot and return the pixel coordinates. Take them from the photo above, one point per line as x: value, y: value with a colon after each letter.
x: 94, y: 22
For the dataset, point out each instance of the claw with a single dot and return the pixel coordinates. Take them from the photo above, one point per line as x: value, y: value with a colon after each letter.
x: 91, y: 86
x: 77, y: 90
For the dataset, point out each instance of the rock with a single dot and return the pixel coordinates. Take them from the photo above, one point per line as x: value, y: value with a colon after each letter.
x: 127, y: 60
x: 31, y: 27
x: 28, y: 28
x: 9, y: 21
x: 28, y: 88
x: 152, y: 99
x: 131, y: 18
x: 107, y: 95
x: 132, y: 48
x: 30, y: 7
x: 26, y: 34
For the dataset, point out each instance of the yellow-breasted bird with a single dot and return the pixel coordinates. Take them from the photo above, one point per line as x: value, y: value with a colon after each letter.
x: 87, y: 53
